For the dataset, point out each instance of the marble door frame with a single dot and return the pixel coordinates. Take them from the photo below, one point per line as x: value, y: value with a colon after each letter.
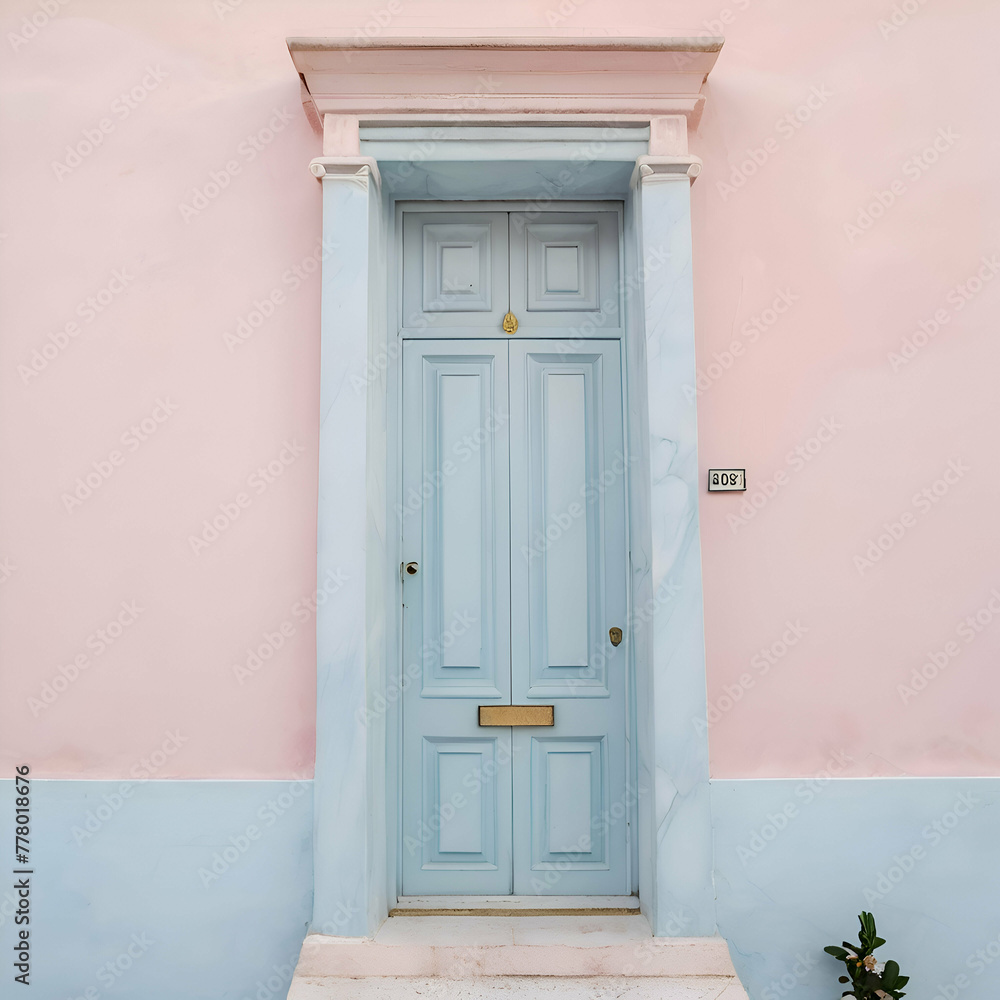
x: 369, y: 162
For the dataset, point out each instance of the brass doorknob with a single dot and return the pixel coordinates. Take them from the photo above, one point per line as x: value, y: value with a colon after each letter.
x: 615, y: 634
x: 510, y: 323
x: 412, y: 568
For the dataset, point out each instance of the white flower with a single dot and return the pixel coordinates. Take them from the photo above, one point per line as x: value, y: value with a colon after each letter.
x: 879, y: 968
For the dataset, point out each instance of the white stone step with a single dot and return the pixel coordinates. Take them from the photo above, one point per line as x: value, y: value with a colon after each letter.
x: 415, y: 950
x: 519, y: 987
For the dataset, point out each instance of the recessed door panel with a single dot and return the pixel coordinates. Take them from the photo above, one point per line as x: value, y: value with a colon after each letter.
x: 455, y: 517
x: 460, y: 807
x: 568, y: 791
x: 455, y: 273
x: 568, y: 470
x: 561, y: 516
x: 564, y: 273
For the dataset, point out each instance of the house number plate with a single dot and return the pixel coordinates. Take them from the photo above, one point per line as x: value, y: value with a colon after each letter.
x: 726, y: 480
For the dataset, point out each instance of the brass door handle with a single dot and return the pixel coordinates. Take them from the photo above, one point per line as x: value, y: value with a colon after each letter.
x: 615, y: 634
x: 517, y: 715
x: 510, y: 323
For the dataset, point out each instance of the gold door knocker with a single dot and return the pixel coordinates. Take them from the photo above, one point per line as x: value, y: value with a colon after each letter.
x: 615, y: 634
x: 510, y: 323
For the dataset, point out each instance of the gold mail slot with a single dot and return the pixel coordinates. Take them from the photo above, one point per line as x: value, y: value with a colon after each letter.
x: 517, y: 715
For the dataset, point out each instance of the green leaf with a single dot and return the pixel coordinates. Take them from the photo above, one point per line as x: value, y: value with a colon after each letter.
x: 877, y: 943
x: 902, y: 981
x: 890, y: 974
x: 838, y: 953
x: 843, y: 979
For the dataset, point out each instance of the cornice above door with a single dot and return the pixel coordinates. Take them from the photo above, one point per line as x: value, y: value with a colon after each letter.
x: 455, y: 80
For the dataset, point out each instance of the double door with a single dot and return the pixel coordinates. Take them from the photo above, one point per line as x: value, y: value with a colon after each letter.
x: 515, y: 760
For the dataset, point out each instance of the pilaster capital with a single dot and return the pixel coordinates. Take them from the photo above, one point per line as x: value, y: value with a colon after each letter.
x: 353, y: 168
x: 649, y: 169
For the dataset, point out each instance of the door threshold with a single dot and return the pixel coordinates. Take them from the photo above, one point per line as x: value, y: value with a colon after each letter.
x: 513, y: 906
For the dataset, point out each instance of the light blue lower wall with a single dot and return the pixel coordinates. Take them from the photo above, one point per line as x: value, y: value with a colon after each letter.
x: 796, y: 861
x: 129, y: 880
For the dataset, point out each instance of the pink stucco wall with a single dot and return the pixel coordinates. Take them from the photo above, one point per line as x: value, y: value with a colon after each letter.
x: 819, y: 111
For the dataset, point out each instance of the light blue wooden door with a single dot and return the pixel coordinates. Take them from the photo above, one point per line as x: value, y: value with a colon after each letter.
x: 456, y: 653
x: 568, y: 590
x: 513, y: 524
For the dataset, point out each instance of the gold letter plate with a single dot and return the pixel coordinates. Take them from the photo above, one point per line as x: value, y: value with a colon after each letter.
x: 517, y: 715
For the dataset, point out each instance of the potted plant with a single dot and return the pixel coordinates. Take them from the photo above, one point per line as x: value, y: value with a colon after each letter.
x: 869, y: 978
